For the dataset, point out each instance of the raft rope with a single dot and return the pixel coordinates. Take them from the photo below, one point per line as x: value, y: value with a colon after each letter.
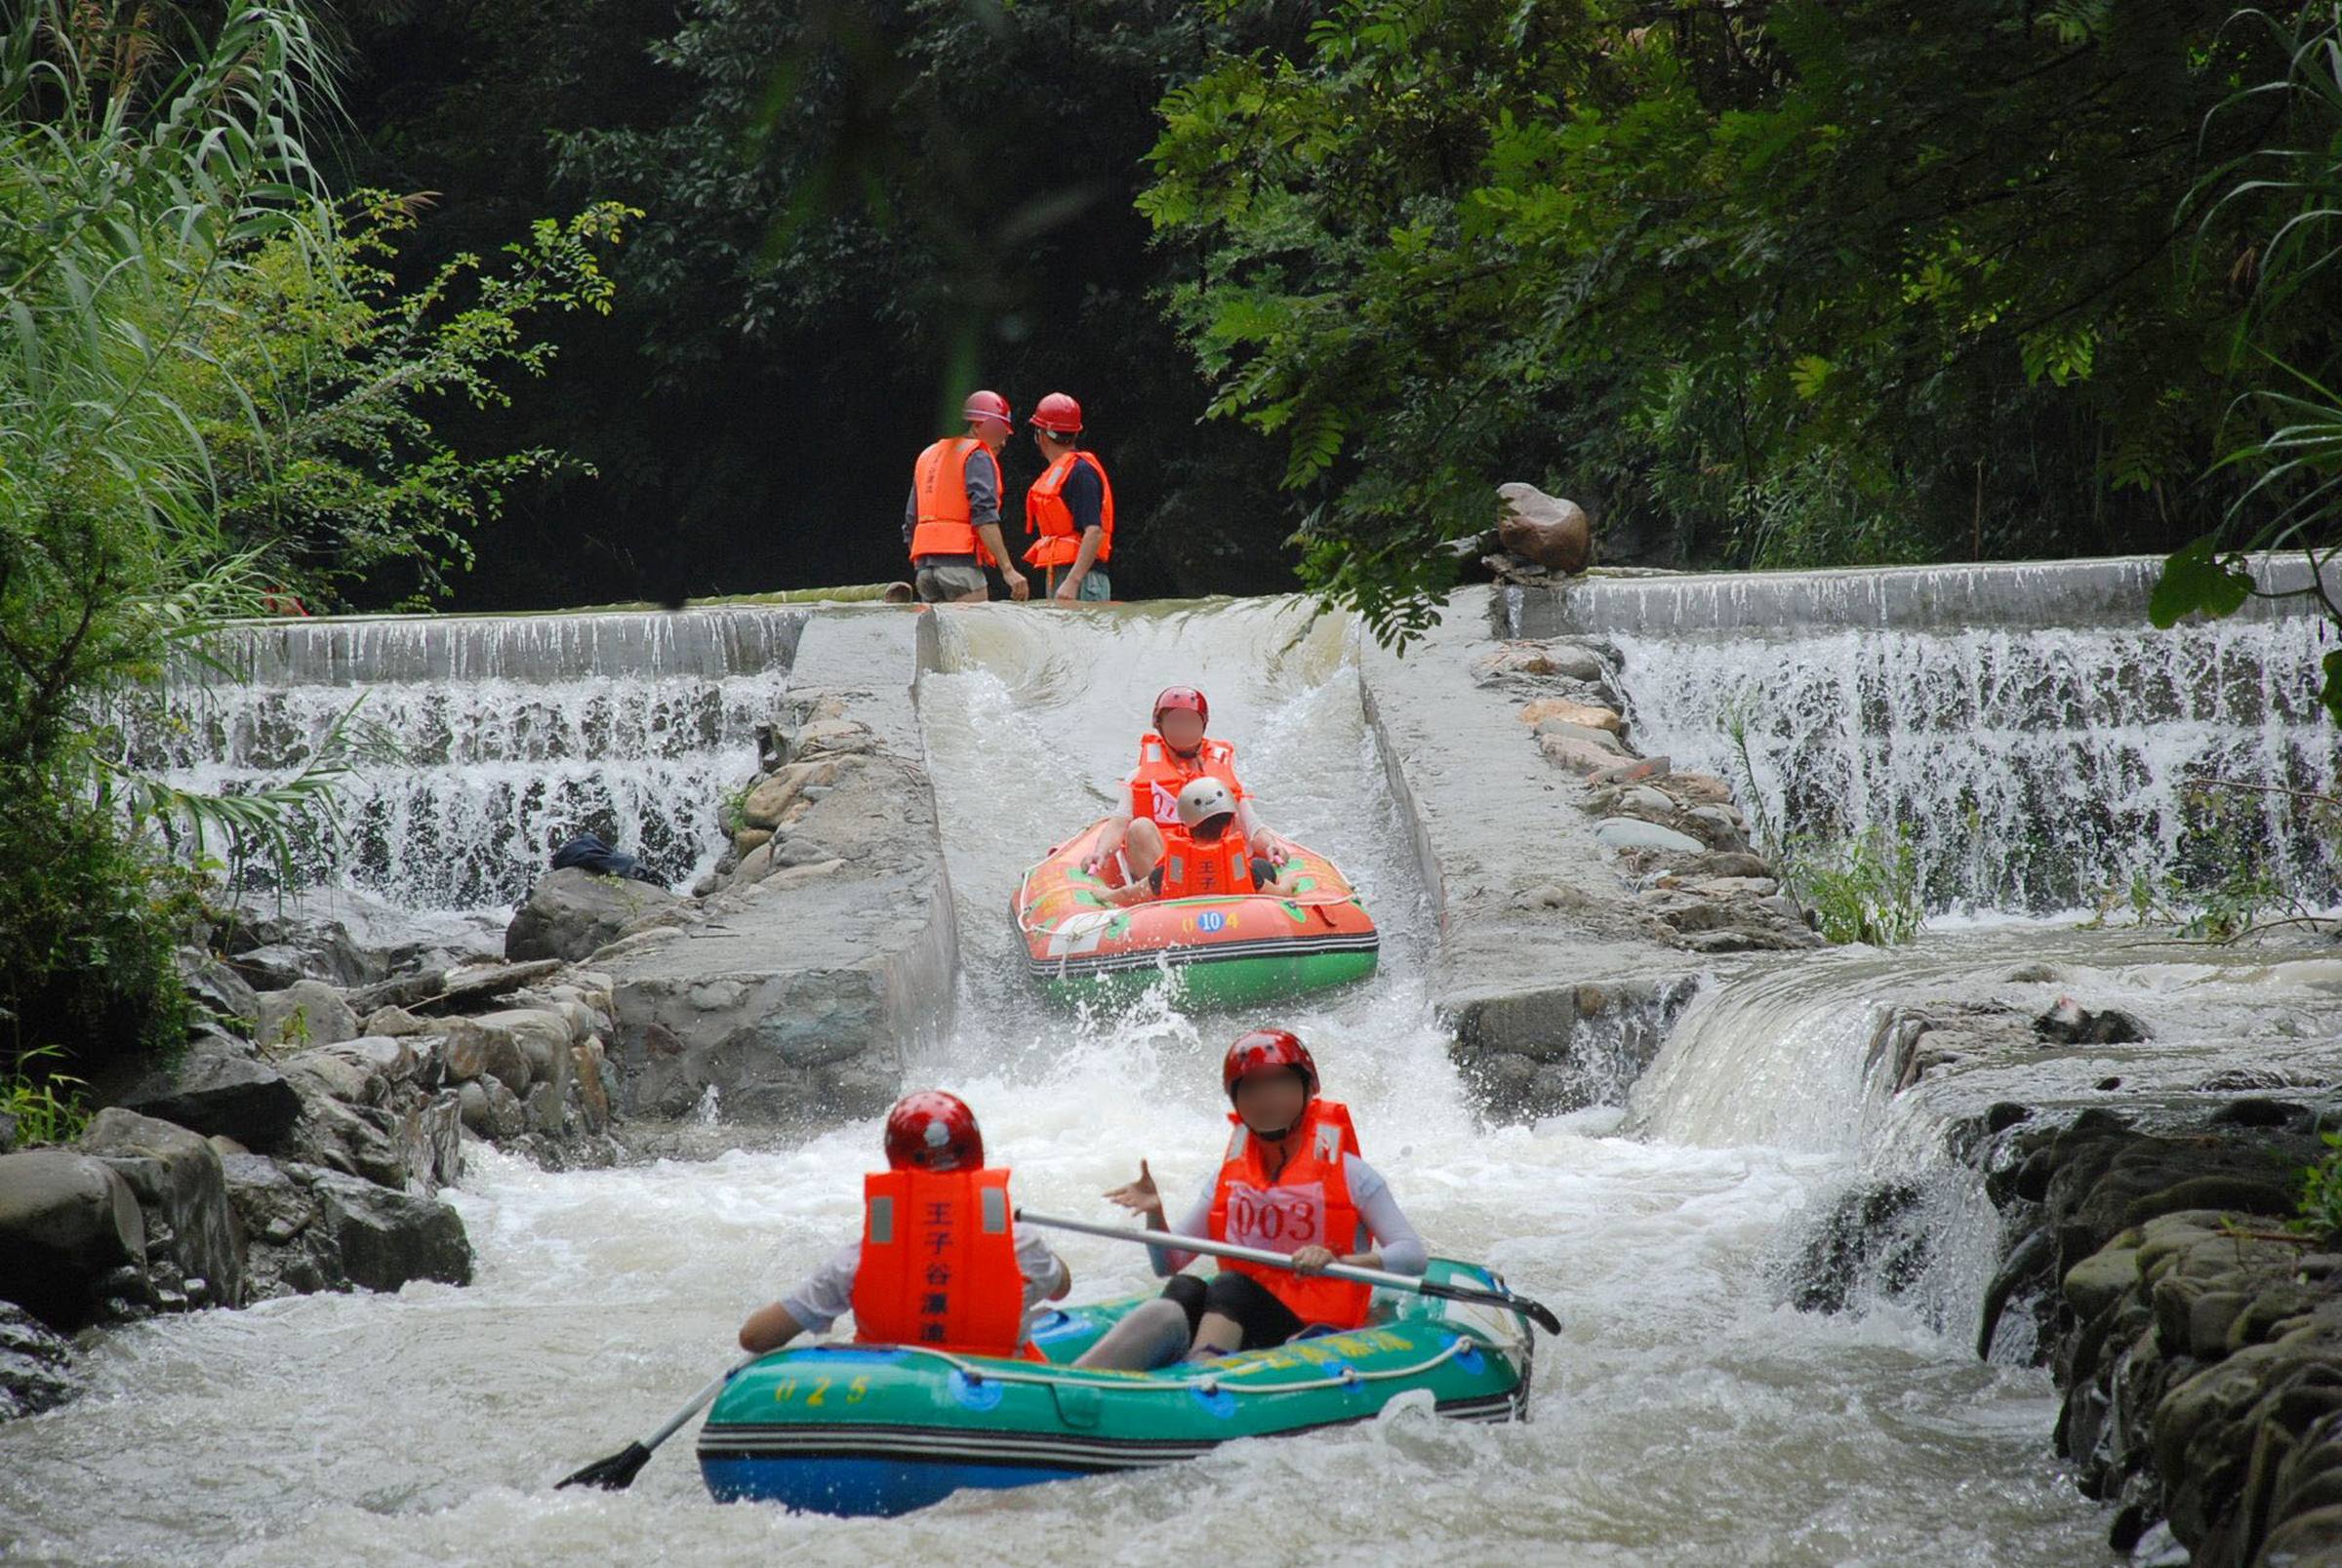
x: 1207, y: 1384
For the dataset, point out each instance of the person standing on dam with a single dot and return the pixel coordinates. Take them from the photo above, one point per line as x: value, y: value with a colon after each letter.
x: 952, y: 522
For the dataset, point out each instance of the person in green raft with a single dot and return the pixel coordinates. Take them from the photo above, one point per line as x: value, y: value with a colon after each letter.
x: 1292, y: 1182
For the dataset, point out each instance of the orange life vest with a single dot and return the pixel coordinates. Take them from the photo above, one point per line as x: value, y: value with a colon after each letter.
x: 1309, y: 1205
x: 1195, y: 869
x: 1154, y: 787
x: 938, y: 1262
x: 1047, y: 514
x: 940, y: 484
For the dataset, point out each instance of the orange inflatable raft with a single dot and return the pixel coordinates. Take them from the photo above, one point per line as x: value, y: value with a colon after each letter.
x: 1226, y: 951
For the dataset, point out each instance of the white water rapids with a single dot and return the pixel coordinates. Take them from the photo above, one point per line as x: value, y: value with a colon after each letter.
x: 1684, y: 1417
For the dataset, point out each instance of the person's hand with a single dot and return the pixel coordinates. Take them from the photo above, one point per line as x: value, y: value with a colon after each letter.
x: 1312, y: 1260
x: 1018, y: 589
x: 1141, y: 1197
x: 1069, y: 591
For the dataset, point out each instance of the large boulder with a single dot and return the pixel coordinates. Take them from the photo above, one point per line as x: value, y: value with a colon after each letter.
x: 387, y: 1238
x: 194, y: 1247
x: 306, y: 1013
x: 477, y: 1050
x: 220, y: 1092
x: 1553, y: 532
x: 571, y: 912
x: 360, y: 1141
x: 67, y: 1220
x: 36, y: 1365
x: 315, y: 1229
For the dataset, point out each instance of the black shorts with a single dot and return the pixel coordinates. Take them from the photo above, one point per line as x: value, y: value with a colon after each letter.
x: 1249, y: 1304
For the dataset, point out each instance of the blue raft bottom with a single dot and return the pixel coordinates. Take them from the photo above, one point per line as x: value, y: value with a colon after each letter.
x: 875, y: 1488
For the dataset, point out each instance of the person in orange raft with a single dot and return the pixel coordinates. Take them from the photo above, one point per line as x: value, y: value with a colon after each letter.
x: 1291, y: 1181
x: 940, y: 1263
x: 1175, y: 752
x: 1206, y: 860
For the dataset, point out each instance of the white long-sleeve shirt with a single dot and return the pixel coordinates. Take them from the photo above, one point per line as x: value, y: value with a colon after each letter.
x: 827, y: 1293
x: 1403, y: 1250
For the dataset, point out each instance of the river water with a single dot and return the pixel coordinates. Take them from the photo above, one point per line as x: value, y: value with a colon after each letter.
x: 1685, y: 1415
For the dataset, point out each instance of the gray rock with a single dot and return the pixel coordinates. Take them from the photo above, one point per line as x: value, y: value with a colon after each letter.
x: 191, y: 1229
x: 1553, y: 532
x: 492, y: 1110
x: 8, y: 1132
x: 215, y: 1093
x: 394, y: 1022
x: 571, y: 912
x: 219, y: 990
x: 492, y: 1047
x: 1584, y: 758
x: 387, y: 1238
x: 315, y: 1229
x: 362, y: 1141
x: 273, y: 1207
x: 66, y: 1220
x: 1599, y: 740
x: 1641, y: 800
x: 796, y: 1002
x: 306, y: 1013
x: 433, y: 1135
x: 443, y: 989
x: 36, y: 1365
x: 587, y: 1064
x: 1632, y: 834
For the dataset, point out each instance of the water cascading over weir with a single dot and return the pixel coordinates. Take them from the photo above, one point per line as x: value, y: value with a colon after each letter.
x: 2037, y: 747
x: 1771, y: 1187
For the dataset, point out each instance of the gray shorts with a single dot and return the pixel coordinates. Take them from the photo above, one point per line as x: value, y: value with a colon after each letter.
x: 1095, y: 588
x: 943, y: 584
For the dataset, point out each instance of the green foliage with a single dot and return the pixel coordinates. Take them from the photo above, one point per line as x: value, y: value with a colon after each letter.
x: 1863, y: 888
x: 1856, y: 887
x: 89, y: 918
x: 1768, y: 277
x: 2319, y: 1210
x: 47, y: 1106
x: 2225, y: 887
x: 315, y: 382
x: 2270, y: 219
x: 207, y: 391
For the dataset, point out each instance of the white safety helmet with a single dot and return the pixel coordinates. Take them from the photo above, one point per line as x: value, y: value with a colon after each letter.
x: 1202, y: 799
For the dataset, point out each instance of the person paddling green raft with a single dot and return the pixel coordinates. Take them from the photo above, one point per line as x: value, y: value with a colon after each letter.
x: 1292, y: 1182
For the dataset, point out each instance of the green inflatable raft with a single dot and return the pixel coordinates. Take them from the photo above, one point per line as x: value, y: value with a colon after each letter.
x: 881, y: 1430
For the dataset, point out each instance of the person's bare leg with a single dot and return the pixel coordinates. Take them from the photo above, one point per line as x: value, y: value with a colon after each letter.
x: 1141, y: 848
x: 1153, y: 1334
x: 1217, y: 1334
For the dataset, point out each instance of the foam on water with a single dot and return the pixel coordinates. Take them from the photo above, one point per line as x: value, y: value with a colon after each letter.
x: 1684, y: 1416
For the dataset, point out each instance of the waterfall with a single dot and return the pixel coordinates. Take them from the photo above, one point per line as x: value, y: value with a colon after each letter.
x: 494, y: 739
x: 2036, y: 770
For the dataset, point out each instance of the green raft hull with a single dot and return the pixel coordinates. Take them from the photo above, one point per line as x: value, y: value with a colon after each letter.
x: 1208, y: 983
x: 866, y: 1429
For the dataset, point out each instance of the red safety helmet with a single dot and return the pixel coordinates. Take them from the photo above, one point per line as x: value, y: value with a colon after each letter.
x: 932, y: 1131
x: 1056, y: 414
x: 1187, y: 696
x: 1265, y: 1050
x: 987, y: 406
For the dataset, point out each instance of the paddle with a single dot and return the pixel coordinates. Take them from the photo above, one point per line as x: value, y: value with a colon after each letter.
x: 617, y: 1473
x: 1536, y: 1312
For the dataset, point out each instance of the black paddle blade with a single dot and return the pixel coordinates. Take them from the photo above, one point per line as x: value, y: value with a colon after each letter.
x: 613, y: 1475
x: 1536, y: 1312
